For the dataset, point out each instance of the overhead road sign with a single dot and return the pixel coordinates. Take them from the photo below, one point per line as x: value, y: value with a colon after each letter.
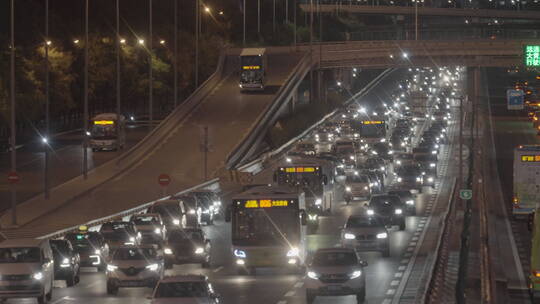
x: 515, y: 99
x: 531, y: 55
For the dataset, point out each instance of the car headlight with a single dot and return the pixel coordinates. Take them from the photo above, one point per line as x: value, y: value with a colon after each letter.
x: 152, y: 267
x: 398, y: 162
x: 409, y: 202
x: 382, y: 168
x: 176, y: 222
x: 430, y: 179
x: 293, y: 252
x: 207, y: 211
x: 157, y: 231
x: 38, y: 276
x: 349, y: 236
x: 432, y: 165
x: 382, y: 235
x: 370, y: 212
x: 355, y: 274
x: 436, y: 146
x: 390, y: 152
x: 434, y: 152
x: 98, y: 251
x: 191, y: 211
x: 383, y: 139
x: 399, y: 179
x: 240, y: 253
x: 312, y: 275
x: 111, y: 267
x: 312, y: 217
x: 398, y: 211
x: 403, y: 144
x: 356, y: 135
x: 366, y: 188
x: 132, y: 239
x: 351, y: 157
x: 199, y: 250
x: 418, y: 179
x: 348, y: 189
x: 318, y: 201
x: 167, y: 251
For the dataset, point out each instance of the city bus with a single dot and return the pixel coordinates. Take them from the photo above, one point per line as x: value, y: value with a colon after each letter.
x: 268, y: 228
x: 253, y: 63
x: 371, y: 131
x: 526, y: 179
x: 107, y: 132
x: 315, y: 178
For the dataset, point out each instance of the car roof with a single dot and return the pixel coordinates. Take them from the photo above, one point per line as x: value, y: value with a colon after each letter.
x: 184, y: 278
x: 21, y: 243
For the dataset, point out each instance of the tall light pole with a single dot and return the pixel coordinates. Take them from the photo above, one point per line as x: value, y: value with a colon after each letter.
x: 416, y: 19
x: 13, y: 139
x: 46, y: 136
x: 175, y: 58
x: 244, y: 15
x: 150, y: 72
x: 274, y: 16
x: 286, y: 11
x: 197, y: 20
x: 118, y: 100
x: 259, y: 16
x: 85, y: 140
x: 294, y: 20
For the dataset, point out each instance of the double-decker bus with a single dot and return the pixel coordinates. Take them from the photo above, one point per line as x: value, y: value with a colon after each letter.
x: 253, y: 64
x: 107, y: 132
x: 268, y: 228
x: 371, y: 131
x: 526, y: 193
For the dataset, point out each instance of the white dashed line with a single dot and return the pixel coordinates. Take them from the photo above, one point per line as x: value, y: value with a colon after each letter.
x: 282, y: 302
x: 414, y: 238
x: 405, y: 261
x: 217, y: 269
x: 398, y: 274
x: 402, y: 268
x: 290, y: 293
x: 299, y: 285
x: 394, y: 283
x: 386, y: 301
x: 391, y: 292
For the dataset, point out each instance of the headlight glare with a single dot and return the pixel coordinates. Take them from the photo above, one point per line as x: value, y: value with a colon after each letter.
x: 293, y: 252
x: 349, y: 236
x: 355, y: 274
x: 199, y: 250
x: 152, y: 267
x: 382, y: 235
x: 111, y: 267
x: 398, y: 211
x: 168, y: 251
x: 312, y: 275
x: 38, y: 276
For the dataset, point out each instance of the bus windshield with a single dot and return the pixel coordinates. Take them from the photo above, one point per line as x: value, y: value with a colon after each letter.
x: 99, y: 131
x: 256, y: 226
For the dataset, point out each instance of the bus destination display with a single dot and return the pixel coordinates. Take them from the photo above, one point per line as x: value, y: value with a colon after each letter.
x: 300, y: 169
x: 265, y: 203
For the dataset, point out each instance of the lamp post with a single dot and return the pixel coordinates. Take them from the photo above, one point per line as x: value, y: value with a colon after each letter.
x: 175, y: 58
x: 85, y: 116
x: 46, y: 136
x: 150, y: 72
x: 118, y: 100
x: 197, y: 17
x: 12, y: 116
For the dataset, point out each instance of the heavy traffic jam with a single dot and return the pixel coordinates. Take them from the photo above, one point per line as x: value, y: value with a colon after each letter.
x: 377, y: 155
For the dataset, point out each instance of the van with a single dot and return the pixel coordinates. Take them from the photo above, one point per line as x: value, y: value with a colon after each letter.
x: 27, y: 268
x: 170, y: 212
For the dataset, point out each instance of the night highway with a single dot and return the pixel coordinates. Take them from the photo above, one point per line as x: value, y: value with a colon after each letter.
x: 269, y: 152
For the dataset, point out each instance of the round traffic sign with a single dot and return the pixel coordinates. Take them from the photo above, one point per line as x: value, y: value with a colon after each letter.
x: 13, y: 177
x: 164, y: 179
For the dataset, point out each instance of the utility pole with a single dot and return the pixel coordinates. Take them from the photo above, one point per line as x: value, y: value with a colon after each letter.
x: 416, y: 19
x: 294, y: 20
x: 175, y: 57
x: 118, y: 100
x: 46, y: 136
x: 311, y: 51
x: 150, y: 72
x: 274, y: 16
x: 460, y: 142
x: 85, y: 134
x: 244, y: 16
x: 197, y: 43
x: 259, y: 17
x: 13, y: 139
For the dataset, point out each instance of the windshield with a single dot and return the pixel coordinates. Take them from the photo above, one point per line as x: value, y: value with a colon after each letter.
x: 128, y: 254
x: 167, y: 211
x: 60, y: 247
x: 372, y: 130
x: 145, y: 220
x: 184, y: 235
x: 103, y: 131
x: 266, y: 226
x: 20, y: 255
x: 357, y: 179
x: 335, y: 259
x: 182, y: 290
x: 385, y: 199
x: 83, y: 242
x: 364, y: 221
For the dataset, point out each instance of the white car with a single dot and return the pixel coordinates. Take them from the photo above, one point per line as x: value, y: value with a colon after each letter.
x: 187, y: 289
x: 27, y: 269
x: 335, y: 272
x: 134, y: 266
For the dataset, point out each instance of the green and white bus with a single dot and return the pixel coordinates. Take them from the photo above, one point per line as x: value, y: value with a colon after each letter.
x: 268, y: 228
x: 526, y: 191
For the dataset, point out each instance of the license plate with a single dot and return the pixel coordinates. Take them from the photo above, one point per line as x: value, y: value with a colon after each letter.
x: 334, y: 288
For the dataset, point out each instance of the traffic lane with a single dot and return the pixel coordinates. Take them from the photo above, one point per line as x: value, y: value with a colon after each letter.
x: 229, y: 115
x: 66, y: 161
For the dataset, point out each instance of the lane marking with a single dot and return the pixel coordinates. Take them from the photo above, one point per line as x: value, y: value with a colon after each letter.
x: 217, y: 269
x: 59, y: 300
x: 282, y: 302
x: 404, y: 261
x: 92, y: 284
x: 394, y: 283
x: 391, y: 292
x: 401, y: 268
x: 386, y: 301
x: 398, y: 274
x: 290, y: 293
x: 299, y: 285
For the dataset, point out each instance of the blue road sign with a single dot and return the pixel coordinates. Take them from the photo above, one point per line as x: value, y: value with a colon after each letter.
x: 515, y: 99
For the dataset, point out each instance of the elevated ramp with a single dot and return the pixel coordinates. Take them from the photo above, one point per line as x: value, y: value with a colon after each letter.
x: 172, y: 148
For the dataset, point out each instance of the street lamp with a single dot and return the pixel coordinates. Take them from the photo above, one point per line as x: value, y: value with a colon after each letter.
x: 76, y: 41
x: 122, y: 41
x: 207, y: 9
x: 162, y: 42
x: 141, y: 41
x: 48, y: 42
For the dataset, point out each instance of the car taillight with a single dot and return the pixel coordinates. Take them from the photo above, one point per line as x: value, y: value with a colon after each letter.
x: 536, y: 273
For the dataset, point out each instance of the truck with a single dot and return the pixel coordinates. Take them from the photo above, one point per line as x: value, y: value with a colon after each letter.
x: 526, y: 174
x: 418, y: 104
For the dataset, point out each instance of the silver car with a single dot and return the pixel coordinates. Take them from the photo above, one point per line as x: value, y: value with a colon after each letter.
x: 366, y: 233
x: 335, y: 272
x: 132, y: 266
